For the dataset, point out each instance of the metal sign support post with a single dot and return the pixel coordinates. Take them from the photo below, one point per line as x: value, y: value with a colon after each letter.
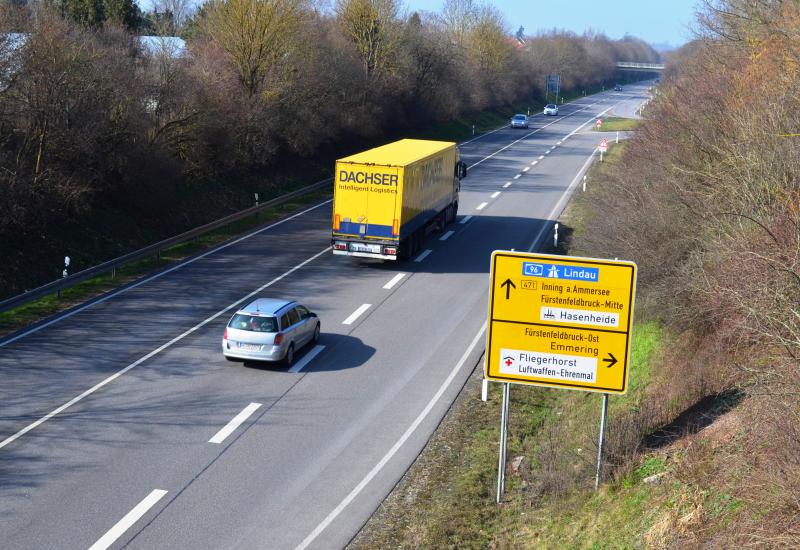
x: 501, y: 465
x: 600, y: 442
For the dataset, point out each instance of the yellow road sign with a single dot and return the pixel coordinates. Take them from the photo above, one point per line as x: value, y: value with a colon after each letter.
x: 560, y: 321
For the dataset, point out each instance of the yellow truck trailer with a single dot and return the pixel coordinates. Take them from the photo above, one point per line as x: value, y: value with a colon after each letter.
x: 385, y: 199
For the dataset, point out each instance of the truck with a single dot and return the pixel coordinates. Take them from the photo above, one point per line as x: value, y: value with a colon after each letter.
x: 388, y: 199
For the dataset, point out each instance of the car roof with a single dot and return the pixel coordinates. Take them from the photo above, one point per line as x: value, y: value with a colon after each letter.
x: 520, y: 115
x: 265, y: 306
x: 551, y: 105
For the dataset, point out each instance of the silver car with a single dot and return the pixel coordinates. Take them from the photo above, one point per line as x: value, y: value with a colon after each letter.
x: 551, y: 109
x: 520, y: 121
x: 269, y: 330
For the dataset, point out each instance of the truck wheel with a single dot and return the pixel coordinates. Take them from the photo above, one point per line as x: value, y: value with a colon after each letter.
x: 416, y: 239
x: 455, y: 212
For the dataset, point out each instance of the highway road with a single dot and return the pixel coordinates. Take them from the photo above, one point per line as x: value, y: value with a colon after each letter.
x: 121, y: 424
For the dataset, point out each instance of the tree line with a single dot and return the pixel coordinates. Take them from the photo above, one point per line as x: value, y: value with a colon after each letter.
x: 92, y: 122
x: 706, y: 199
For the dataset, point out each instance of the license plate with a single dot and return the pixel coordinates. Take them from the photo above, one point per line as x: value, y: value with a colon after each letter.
x: 361, y: 247
x: 249, y: 347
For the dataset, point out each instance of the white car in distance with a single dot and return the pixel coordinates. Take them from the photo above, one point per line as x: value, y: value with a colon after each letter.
x: 551, y: 109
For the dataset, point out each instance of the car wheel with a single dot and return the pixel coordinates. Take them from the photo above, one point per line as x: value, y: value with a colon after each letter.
x: 289, y: 359
x: 316, y: 335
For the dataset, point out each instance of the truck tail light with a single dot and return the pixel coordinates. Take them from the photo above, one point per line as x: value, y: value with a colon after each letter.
x: 390, y: 251
x: 396, y: 227
x: 278, y: 339
x: 339, y: 246
x: 337, y: 222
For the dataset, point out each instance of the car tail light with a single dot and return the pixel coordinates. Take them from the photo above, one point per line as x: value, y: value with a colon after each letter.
x: 278, y: 339
x: 339, y: 246
x: 225, y: 334
x: 390, y: 251
x: 337, y: 222
x: 396, y: 227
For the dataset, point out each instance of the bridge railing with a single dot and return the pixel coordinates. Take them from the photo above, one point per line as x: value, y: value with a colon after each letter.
x: 635, y: 65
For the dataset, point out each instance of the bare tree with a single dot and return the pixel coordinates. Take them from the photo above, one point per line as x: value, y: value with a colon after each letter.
x: 373, y: 26
x: 256, y: 34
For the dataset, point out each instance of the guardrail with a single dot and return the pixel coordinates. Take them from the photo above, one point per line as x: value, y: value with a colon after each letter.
x: 153, y: 249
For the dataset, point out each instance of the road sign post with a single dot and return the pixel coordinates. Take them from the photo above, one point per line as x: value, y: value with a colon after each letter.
x: 603, y: 147
x: 501, y: 464
x: 600, y: 441
x: 559, y: 322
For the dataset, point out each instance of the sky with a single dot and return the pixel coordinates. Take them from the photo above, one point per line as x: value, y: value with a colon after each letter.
x: 655, y: 21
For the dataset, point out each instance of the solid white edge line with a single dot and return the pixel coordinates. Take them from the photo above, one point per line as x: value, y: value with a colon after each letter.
x: 356, y: 314
x: 129, y: 519
x: 465, y: 220
x: 156, y: 351
x: 422, y: 256
x: 481, y: 206
x: 235, y: 422
x: 301, y: 364
x: 396, y: 447
x: 394, y: 280
x: 507, y: 185
x: 159, y: 274
x: 495, y: 195
x: 566, y: 195
x: 447, y: 235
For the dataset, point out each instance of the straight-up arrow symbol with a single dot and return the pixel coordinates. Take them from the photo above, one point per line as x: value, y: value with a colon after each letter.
x: 509, y: 285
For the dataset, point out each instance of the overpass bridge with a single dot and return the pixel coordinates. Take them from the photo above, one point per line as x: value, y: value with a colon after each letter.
x: 640, y: 67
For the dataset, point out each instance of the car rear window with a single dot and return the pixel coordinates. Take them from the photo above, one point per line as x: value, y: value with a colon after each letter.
x: 242, y: 321
x: 550, y: 106
x: 519, y: 117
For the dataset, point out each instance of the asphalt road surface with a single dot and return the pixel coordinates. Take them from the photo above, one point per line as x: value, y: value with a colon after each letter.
x: 121, y: 424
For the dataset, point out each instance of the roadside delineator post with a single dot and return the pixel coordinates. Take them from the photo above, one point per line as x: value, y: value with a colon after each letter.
x: 485, y: 390
x: 584, y: 183
x: 555, y: 236
x: 473, y: 129
x: 65, y: 273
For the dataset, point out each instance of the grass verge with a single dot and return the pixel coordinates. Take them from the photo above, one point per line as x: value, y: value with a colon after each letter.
x: 619, y: 124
